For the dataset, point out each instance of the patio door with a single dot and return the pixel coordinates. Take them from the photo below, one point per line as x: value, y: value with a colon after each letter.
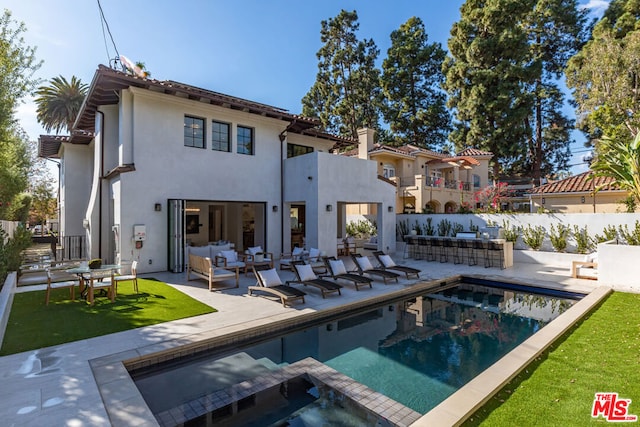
x: 176, y: 235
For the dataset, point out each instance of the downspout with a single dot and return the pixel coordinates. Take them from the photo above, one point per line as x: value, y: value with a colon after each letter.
x: 283, y: 138
x: 100, y: 175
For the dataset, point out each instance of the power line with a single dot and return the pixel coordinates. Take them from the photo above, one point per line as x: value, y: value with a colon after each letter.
x: 105, y: 23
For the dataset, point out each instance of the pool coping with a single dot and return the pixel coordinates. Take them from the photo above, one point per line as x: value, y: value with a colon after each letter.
x: 125, y: 405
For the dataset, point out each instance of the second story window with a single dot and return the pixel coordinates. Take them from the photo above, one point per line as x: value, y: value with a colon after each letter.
x: 476, y: 181
x: 193, y: 132
x: 294, y: 150
x: 388, y: 171
x: 245, y: 140
x: 220, y: 136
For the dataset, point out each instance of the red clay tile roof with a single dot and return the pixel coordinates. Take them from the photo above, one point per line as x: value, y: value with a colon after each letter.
x: 474, y: 152
x: 576, y: 184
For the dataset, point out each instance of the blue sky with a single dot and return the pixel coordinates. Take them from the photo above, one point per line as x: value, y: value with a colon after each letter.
x: 264, y: 51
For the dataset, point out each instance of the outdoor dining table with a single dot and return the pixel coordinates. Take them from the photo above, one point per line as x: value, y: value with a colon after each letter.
x: 89, y: 274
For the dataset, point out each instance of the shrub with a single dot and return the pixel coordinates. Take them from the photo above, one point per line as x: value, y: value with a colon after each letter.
x: 558, y: 236
x: 584, y: 243
x: 610, y: 233
x: 444, y: 228
x: 11, y: 250
x: 510, y: 233
x: 631, y: 237
x: 533, y: 236
x: 457, y: 228
x: 402, y: 229
x: 428, y: 227
x: 361, y: 228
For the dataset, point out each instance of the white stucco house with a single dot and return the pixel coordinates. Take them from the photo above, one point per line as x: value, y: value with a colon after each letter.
x: 178, y: 165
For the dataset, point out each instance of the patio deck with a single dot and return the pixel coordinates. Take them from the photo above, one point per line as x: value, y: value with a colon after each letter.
x: 60, y: 385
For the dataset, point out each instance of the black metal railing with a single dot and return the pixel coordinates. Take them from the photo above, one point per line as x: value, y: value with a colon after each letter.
x: 72, y: 247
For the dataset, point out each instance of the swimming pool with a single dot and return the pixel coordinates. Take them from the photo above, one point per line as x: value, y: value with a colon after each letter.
x: 417, y: 350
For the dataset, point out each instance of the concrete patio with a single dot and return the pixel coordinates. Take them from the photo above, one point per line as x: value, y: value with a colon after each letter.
x: 58, y: 385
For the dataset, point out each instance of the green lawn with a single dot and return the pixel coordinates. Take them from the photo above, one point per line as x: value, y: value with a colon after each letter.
x: 34, y: 325
x: 601, y: 354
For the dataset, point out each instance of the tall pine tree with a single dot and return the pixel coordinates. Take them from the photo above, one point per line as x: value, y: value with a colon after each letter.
x: 488, y: 63
x: 507, y: 57
x: 415, y: 106
x: 346, y: 95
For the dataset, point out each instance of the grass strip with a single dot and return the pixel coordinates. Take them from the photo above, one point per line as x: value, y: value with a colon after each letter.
x: 600, y: 354
x: 33, y: 325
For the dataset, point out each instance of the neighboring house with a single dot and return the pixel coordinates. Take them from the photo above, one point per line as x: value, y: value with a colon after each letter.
x: 575, y: 195
x: 430, y: 181
x: 178, y: 165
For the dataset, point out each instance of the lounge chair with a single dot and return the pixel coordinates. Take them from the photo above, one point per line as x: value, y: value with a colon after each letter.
x: 337, y: 270
x: 269, y: 282
x: 586, y: 269
x: 387, y: 263
x: 305, y: 275
x: 287, y: 258
x: 364, y: 266
x: 314, y: 259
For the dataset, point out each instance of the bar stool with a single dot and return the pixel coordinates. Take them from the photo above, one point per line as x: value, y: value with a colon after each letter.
x: 409, y: 246
x: 458, y: 254
x: 447, y: 246
x: 435, y: 245
x: 472, y: 258
x: 495, y: 250
x: 424, y: 246
x: 479, y: 248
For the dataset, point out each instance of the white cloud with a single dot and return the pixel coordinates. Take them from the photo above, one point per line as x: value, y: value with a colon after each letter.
x: 26, y: 114
x: 596, y: 7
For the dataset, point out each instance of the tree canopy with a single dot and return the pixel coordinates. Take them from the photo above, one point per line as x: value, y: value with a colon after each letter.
x: 415, y: 105
x: 506, y: 57
x: 59, y: 103
x: 346, y: 95
x: 17, y: 67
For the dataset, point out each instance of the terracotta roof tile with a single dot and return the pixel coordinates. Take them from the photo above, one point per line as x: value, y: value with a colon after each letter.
x: 474, y: 152
x: 576, y: 184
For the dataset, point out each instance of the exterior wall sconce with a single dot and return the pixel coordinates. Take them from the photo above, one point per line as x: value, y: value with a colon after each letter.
x: 582, y: 199
x: 157, y: 207
x: 543, y: 200
x: 274, y: 208
x: 329, y: 208
x: 390, y: 209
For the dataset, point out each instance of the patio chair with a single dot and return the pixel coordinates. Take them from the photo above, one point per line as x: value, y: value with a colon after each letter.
x: 364, y: 266
x: 387, y: 263
x: 286, y: 258
x: 269, y: 282
x: 314, y: 259
x: 133, y: 277
x: 53, y: 283
x: 586, y: 269
x: 337, y: 270
x: 305, y: 275
x: 231, y: 260
x: 102, y: 280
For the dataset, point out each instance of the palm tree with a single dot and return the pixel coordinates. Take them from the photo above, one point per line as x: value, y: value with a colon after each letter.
x: 59, y: 103
x: 620, y: 160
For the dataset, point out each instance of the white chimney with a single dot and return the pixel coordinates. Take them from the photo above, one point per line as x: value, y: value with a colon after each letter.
x: 365, y: 142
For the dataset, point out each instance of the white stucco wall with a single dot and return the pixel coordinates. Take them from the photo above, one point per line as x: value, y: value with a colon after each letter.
x: 75, y: 187
x: 617, y: 266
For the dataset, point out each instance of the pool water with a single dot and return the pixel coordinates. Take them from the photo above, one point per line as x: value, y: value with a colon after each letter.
x: 417, y: 352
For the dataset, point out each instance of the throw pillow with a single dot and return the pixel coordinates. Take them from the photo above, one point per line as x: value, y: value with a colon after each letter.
x: 230, y: 256
x: 364, y: 263
x: 337, y: 266
x: 305, y: 272
x: 387, y: 261
x: 314, y: 253
x: 254, y: 250
x: 270, y: 277
x: 297, y: 251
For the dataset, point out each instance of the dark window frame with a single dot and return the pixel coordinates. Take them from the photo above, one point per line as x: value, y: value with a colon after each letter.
x: 242, y: 143
x: 191, y: 136
x: 294, y: 150
x: 216, y: 145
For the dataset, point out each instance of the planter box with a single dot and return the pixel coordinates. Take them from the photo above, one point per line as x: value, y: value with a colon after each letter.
x: 556, y: 259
